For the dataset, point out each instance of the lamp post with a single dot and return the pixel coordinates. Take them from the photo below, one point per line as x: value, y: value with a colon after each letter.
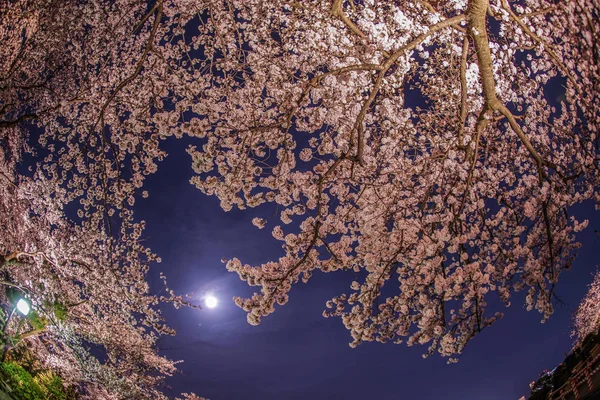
x: 23, y: 307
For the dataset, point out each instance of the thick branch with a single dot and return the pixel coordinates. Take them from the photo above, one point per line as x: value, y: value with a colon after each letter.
x: 11, y: 284
x: 338, y: 12
x: 25, y: 117
x: 31, y: 333
x: 478, y: 32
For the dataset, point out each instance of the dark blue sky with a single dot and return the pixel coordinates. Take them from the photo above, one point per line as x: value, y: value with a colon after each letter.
x: 296, y: 353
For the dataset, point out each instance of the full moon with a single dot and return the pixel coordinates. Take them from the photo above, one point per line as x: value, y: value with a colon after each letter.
x: 211, y: 301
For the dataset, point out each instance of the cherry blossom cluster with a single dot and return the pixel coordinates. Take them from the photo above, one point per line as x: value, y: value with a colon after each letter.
x: 416, y: 144
x: 587, y: 316
x: 420, y: 144
x: 75, y: 148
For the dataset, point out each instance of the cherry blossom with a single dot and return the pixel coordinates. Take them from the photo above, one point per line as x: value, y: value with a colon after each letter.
x: 587, y: 316
x: 419, y: 145
x: 414, y: 144
x: 71, y: 166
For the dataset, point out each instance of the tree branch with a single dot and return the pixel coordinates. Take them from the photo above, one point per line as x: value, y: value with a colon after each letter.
x: 139, y: 64
x: 25, y: 117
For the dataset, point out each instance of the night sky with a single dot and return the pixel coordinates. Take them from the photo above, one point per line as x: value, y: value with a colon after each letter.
x: 296, y: 353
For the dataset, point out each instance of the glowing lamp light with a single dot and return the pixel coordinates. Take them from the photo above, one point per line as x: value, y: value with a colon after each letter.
x: 23, y: 307
x: 211, y: 301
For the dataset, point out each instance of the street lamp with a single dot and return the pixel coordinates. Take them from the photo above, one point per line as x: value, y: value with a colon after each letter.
x: 23, y: 307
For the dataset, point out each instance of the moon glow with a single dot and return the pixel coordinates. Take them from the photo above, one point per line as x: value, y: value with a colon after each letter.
x: 211, y: 301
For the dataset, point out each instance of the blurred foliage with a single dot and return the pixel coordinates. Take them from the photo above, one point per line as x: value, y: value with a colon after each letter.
x: 3, y: 317
x: 52, y: 385
x: 21, y: 383
x: 36, y: 320
x: 25, y: 358
x: 46, y: 385
x: 60, y: 311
